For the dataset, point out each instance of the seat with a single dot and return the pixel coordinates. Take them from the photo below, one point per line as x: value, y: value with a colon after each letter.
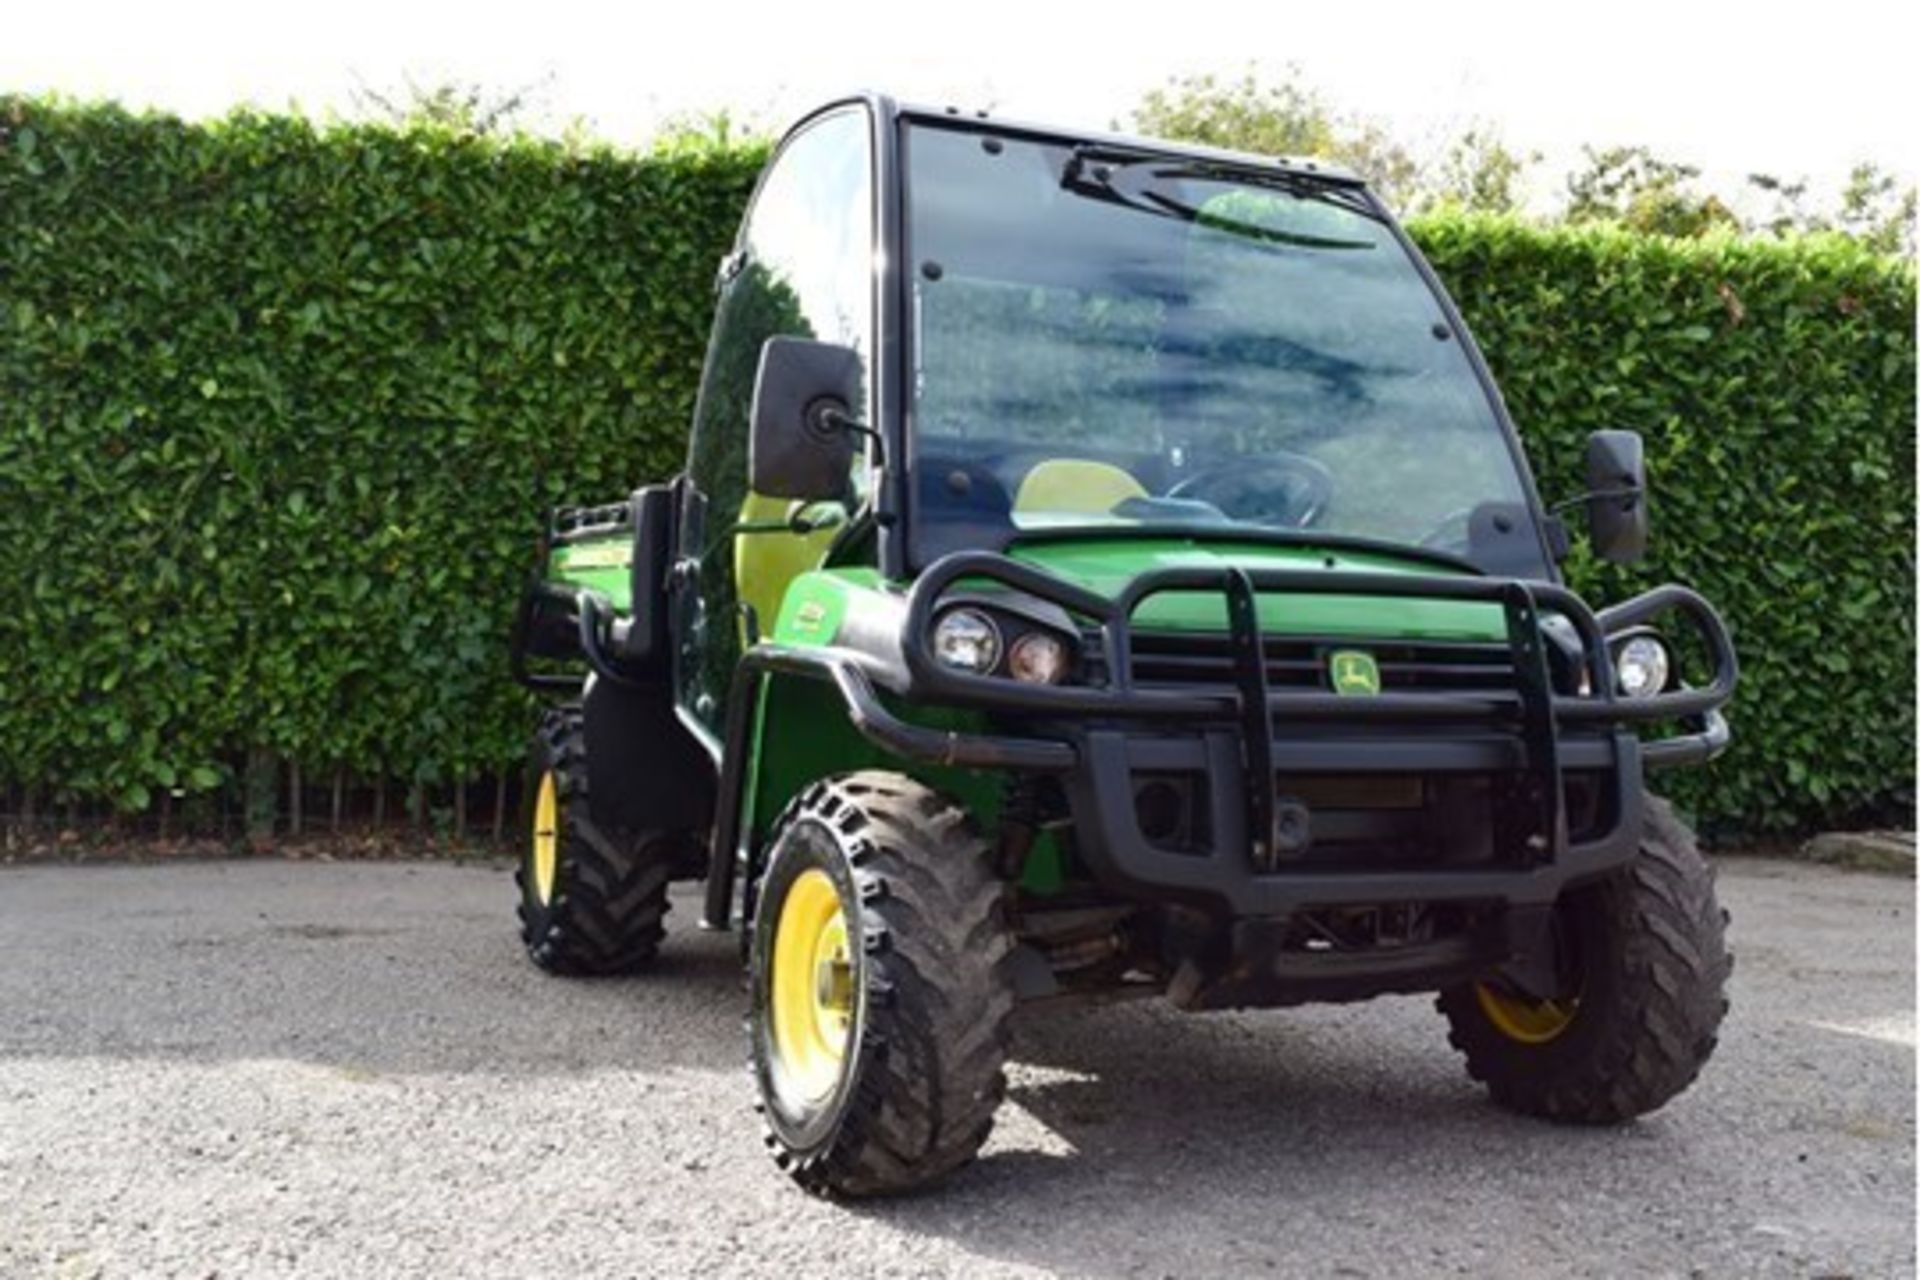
x: 1075, y: 486
x: 766, y: 563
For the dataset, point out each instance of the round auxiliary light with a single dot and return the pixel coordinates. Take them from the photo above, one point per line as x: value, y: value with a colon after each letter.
x: 1643, y: 666
x: 966, y: 640
x: 1038, y: 657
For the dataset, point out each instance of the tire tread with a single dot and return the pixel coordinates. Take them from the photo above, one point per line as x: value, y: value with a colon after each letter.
x: 609, y: 910
x: 939, y: 990
x: 1666, y: 1011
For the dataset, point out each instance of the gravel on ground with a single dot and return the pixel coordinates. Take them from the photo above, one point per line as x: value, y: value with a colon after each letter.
x: 269, y: 1068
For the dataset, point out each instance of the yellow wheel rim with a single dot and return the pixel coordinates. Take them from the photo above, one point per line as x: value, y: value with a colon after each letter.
x: 546, y: 838
x: 811, y: 997
x: 1527, y: 1021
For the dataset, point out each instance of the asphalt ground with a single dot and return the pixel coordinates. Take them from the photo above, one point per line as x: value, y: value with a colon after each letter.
x: 273, y: 1068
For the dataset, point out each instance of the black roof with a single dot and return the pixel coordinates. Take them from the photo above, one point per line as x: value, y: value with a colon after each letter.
x: 1312, y: 165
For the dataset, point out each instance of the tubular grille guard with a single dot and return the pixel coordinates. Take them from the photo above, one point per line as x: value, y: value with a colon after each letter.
x: 1121, y: 698
x: 1532, y: 709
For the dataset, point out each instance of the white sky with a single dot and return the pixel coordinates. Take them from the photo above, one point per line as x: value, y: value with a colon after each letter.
x: 1801, y: 90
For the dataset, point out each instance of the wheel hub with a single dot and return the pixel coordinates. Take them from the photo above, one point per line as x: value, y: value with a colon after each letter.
x: 1524, y: 1020
x: 811, y: 998
x: 546, y: 838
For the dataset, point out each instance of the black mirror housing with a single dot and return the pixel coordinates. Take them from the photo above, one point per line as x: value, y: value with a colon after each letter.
x: 803, y: 397
x: 1617, y: 495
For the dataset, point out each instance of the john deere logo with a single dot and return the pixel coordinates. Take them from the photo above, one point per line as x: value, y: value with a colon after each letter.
x: 1353, y: 672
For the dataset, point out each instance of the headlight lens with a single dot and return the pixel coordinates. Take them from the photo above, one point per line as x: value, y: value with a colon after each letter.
x: 1038, y: 657
x: 967, y: 640
x: 1643, y: 667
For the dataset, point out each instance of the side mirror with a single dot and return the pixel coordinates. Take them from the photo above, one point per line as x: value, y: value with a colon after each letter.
x: 1617, y: 495
x: 803, y: 399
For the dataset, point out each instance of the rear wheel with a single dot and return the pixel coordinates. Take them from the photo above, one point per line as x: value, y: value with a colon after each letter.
x: 1640, y: 967
x: 880, y: 989
x: 593, y: 898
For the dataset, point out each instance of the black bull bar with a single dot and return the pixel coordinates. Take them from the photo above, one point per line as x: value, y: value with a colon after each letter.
x: 1250, y: 710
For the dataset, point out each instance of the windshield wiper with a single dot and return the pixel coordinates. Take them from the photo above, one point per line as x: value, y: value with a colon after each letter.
x: 1091, y: 171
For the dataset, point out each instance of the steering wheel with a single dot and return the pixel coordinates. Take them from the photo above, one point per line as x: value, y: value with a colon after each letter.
x: 1287, y: 490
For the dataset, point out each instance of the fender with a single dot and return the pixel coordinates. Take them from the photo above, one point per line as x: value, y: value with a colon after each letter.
x: 867, y: 714
x: 644, y: 770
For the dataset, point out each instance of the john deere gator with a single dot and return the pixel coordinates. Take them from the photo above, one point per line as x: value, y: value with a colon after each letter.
x: 1105, y: 566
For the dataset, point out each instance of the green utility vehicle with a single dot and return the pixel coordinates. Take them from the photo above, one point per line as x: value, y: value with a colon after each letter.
x: 1105, y: 567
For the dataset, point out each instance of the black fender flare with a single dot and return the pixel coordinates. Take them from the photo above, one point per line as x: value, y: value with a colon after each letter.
x: 645, y: 771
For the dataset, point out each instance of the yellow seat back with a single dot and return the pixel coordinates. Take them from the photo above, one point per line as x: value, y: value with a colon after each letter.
x: 765, y: 564
x: 1075, y: 486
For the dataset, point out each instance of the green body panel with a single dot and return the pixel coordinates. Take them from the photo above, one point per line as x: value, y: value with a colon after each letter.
x: 604, y: 565
x: 1106, y: 565
x: 802, y: 732
x: 816, y: 602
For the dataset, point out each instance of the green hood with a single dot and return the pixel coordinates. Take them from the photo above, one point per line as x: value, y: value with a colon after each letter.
x: 1106, y: 565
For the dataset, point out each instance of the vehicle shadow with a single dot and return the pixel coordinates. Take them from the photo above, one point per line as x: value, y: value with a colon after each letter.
x: 1162, y: 1127
x: 1140, y: 1141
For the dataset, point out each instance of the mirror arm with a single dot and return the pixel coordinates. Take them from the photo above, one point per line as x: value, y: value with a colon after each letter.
x: 828, y: 514
x: 838, y: 420
x: 1559, y: 541
x: 1598, y: 495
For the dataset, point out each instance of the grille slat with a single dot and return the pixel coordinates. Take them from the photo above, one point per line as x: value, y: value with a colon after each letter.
x: 1188, y: 660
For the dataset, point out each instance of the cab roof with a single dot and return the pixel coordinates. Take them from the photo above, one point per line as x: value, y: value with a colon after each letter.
x: 1311, y: 166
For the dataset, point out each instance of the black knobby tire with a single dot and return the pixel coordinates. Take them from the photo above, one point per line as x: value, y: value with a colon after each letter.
x: 1653, y: 967
x: 926, y: 914
x: 606, y: 907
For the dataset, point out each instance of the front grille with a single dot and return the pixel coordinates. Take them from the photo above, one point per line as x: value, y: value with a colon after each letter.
x: 1199, y: 660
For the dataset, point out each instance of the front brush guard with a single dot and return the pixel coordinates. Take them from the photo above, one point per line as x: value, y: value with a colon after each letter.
x: 1249, y: 707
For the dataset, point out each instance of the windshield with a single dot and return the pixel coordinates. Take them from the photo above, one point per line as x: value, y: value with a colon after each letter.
x: 1105, y: 339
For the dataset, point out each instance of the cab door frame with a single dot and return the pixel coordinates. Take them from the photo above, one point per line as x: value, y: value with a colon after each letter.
x: 699, y: 697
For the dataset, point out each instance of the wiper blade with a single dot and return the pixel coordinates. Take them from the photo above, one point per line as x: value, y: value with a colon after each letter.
x: 1116, y: 156
x: 1091, y: 170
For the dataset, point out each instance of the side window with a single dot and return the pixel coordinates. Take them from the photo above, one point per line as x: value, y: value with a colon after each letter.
x: 806, y: 270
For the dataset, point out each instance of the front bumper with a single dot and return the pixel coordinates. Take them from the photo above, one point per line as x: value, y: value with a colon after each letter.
x: 1226, y: 875
x: 1247, y: 739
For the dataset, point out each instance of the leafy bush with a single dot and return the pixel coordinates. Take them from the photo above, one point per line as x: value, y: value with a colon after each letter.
x: 281, y: 409
x: 281, y: 406
x: 1774, y: 383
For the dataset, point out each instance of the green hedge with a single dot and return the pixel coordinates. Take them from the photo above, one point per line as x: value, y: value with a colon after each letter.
x: 280, y: 410
x: 280, y: 405
x: 1774, y: 383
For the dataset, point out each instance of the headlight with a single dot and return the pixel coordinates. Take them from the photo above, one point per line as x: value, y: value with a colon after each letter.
x: 1642, y: 665
x: 1038, y: 657
x: 967, y: 640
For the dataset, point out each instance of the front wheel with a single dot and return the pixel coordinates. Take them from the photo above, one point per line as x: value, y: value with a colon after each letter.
x: 1642, y: 964
x: 880, y: 990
